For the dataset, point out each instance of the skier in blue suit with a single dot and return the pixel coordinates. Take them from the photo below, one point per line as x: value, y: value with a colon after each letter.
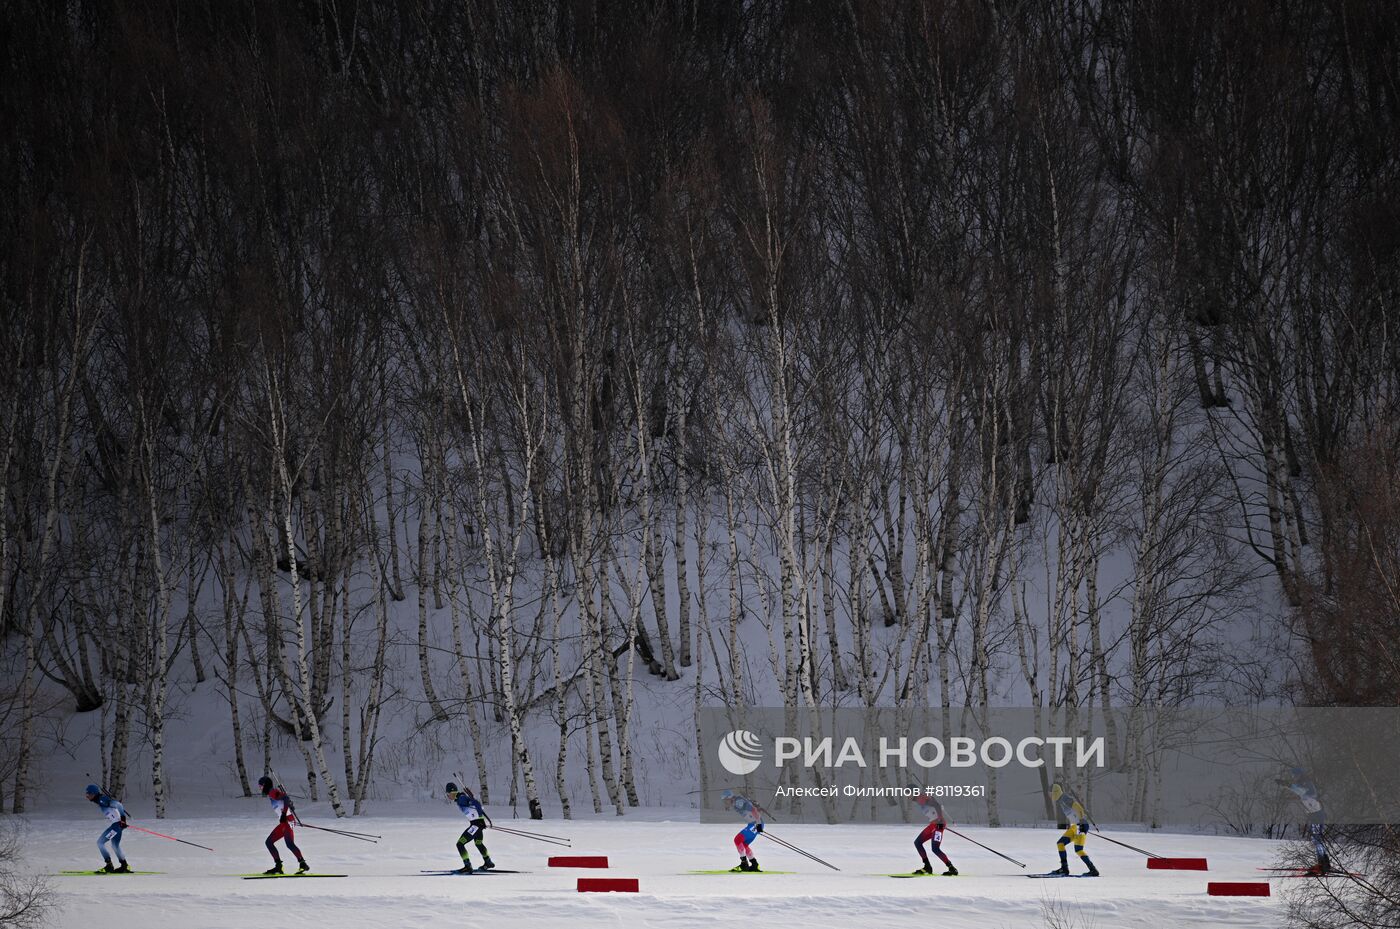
x: 1305, y: 790
x: 116, y: 824
x: 751, y: 831
x: 471, y: 808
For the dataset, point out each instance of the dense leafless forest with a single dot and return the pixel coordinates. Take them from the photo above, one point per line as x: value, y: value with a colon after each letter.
x: 485, y: 356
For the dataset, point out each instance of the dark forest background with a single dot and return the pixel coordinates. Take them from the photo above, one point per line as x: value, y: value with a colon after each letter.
x: 311, y: 309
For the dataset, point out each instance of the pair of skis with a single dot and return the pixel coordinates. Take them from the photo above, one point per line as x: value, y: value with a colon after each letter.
x: 246, y: 877
x: 1309, y: 872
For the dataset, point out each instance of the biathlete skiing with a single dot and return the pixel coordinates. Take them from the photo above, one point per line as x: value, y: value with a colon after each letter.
x: 286, y: 817
x: 471, y: 808
x: 751, y: 831
x: 1076, y: 821
x: 116, y: 825
x: 1305, y: 790
x: 933, y: 835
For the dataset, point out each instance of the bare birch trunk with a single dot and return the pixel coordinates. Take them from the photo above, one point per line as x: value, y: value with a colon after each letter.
x: 192, y: 628
x: 369, y: 716
x: 682, y: 563
x: 286, y: 484
x: 63, y: 423
x: 736, y: 664
x: 464, y: 661
x: 391, y: 523
x: 561, y: 699
x: 234, y: 611
x: 346, y: 659
x: 157, y: 684
x: 651, y: 543
x: 421, y: 581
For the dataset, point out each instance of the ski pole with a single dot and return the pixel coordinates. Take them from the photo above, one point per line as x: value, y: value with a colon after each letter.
x: 348, y: 835
x: 161, y: 835
x: 362, y: 835
x: 788, y: 845
x: 987, y: 847
x: 791, y: 847
x: 538, y: 835
x: 1140, y: 851
x: 528, y: 835
x: 562, y: 838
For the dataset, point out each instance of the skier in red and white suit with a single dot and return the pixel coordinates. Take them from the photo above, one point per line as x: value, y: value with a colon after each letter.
x: 933, y: 835
x: 286, y: 816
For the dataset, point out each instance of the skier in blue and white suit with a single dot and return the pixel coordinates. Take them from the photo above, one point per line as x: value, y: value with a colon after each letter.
x: 749, y: 834
x: 1305, y: 790
x: 116, y: 824
x: 471, y: 808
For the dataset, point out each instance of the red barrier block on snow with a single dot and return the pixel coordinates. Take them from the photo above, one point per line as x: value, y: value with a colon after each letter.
x: 625, y: 885
x: 1237, y: 889
x: 1177, y: 864
x: 578, y: 861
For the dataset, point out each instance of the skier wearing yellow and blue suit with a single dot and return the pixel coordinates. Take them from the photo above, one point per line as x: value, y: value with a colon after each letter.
x: 1076, y: 820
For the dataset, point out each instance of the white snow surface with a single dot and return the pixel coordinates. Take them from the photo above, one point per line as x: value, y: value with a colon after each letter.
x: 658, y: 846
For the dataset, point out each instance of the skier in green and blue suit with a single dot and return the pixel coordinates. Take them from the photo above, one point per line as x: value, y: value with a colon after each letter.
x: 471, y: 808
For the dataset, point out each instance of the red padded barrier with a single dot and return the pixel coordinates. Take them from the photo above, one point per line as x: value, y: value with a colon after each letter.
x: 1177, y: 864
x: 578, y: 861
x: 625, y: 885
x: 1237, y: 889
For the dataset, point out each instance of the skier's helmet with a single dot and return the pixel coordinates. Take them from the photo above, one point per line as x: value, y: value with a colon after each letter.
x: 93, y: 791
x: 265, y: 785
x: 451, y: 788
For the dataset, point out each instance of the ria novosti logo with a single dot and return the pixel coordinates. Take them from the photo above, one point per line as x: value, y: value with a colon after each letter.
x: 740, y: 752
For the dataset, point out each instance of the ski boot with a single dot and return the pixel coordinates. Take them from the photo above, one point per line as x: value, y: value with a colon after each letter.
x: 275, y: 869
x: 1062, y: 871
x: 123, y: 869
x: 108, y: 868
x: 302, y: 866
x: 487, y: 865
x: 926, y: 869
x: 951, y: 872
x: 466, y: 868
x: 742, y: 866
x: 753, y: 864
x: 1092, y: 872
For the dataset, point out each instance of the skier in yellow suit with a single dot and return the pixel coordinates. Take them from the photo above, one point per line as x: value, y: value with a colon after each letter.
x: 1072, y: 813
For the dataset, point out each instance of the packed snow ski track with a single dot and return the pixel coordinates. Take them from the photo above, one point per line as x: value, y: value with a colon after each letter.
x: 386, y: 885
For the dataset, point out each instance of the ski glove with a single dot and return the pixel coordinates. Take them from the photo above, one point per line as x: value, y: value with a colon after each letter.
x: 760, y: 827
